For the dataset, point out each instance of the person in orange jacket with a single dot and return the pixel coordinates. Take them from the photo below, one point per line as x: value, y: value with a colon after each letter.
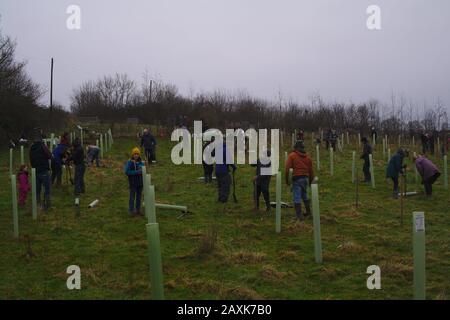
x: 302, y: 176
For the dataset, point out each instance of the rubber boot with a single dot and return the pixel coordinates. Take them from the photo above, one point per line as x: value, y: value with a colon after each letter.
x: 298, y: 211
x: 308, y: 209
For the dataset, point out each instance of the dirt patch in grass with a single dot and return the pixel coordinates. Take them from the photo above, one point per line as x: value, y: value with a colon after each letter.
x: 247, y: 257
x: 351, y: 247
x: 240, y: 293
x: 395, y: 267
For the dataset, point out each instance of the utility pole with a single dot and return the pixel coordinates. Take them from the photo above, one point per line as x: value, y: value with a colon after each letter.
x: 51, y: 94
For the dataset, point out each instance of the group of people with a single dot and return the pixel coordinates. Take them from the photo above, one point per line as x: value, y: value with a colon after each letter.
x: 395, y: 168
x: 49, y: 167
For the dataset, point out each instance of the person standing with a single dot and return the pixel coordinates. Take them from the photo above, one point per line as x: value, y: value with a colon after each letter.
x: 302, y: 176
x: 133, y: 169
x: 208, y: 168
x: 39, y: 159
x: 394, y: 169
x: 148, y: 142
x: 77, y: 157
x: 223, y: 176
x: 261, y: 182
x: 428, y: 171
x: 58, y: 155
x: 367, y: 150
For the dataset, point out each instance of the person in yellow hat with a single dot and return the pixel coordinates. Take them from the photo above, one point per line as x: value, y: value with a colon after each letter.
x: 133, y: 169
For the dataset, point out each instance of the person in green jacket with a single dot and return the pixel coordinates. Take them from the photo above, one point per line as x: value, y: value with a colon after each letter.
x: 395, y: 168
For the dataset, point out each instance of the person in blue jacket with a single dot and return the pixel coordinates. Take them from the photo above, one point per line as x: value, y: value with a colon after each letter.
x: 133, y: 169
x: 394, y: 169
x: 223, y: 174
x: 58, y: 155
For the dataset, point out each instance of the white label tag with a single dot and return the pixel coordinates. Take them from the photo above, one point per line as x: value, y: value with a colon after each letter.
x: 419, y: 221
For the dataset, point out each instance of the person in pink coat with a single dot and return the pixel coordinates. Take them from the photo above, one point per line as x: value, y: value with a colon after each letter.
x: 428, y: 171
x: 24, y: 185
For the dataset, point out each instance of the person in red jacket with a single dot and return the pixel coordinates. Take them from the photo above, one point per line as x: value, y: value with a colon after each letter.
x: 24, y: 185
x: 302, y: 176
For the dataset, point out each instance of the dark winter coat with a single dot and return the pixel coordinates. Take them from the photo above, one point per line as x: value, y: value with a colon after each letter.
x: 133, y: 169
x: 395, y: 165
x: 39, y: 156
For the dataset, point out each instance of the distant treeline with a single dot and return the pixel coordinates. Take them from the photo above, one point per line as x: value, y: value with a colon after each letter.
x: 116, y: 98
x: 19, y: 109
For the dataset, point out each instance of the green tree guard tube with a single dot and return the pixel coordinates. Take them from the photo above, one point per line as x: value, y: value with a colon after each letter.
x: 418, y: 222
x: 14, y: 206
x: 106, y: 142
x: 372, y: 174
x: 22, y: 159
x: 101, y: 146
x: 278, y: 204
x: 152, y: 203
x: 389, y: 155
x: 331, y: 161
x: 316, y: 222
x: 33, y: 193
x: 11, y: 158
x: 359, y: 139
x: 353, y: 166
x: 318, y: 157
x: 81, y: 136
x: 445, y: 172
x: 171, y: 207
x: 155, y: 261
x: 146, y: 192
x: 291, y: 172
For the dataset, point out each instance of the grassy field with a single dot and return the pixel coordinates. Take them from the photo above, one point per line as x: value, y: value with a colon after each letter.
x: 215, y: 255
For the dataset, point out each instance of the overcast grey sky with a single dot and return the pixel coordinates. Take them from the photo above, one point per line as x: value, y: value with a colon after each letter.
x: 301, y: 47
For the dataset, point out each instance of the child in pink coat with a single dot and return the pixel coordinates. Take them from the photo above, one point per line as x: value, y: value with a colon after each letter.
x: 24, y: 185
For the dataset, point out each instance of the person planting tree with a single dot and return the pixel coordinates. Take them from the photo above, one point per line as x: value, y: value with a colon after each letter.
x: 428, y: 171
x: 133, y: 169
x: 394, y: 168
x: 302, y: 176
x: 77, y: 157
